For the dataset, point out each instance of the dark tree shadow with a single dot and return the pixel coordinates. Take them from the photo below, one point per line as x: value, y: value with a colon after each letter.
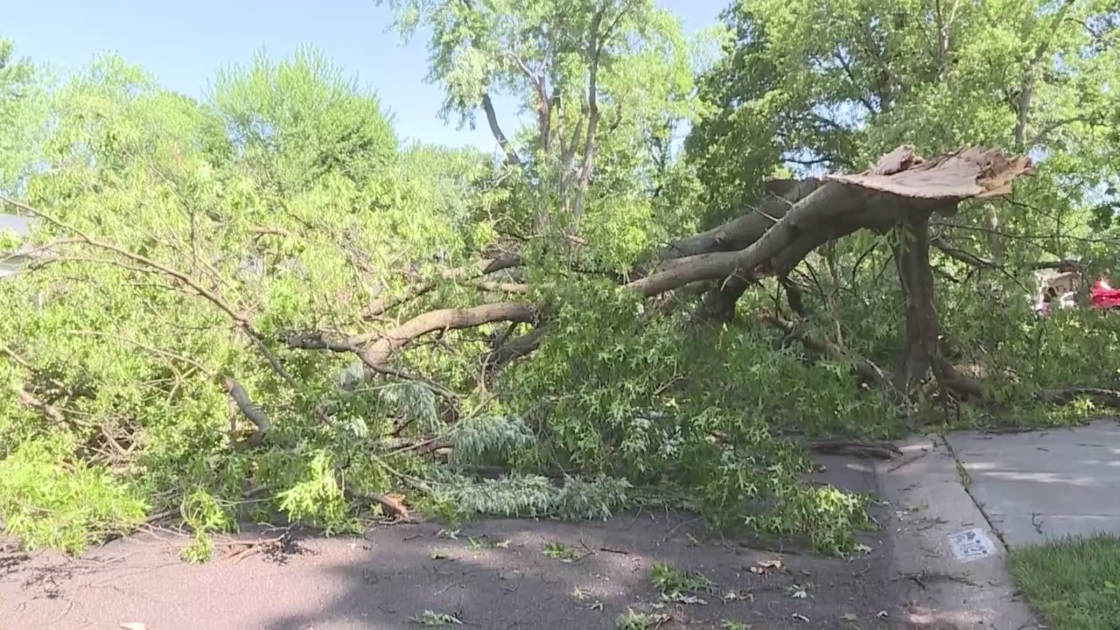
x: 502, y: 574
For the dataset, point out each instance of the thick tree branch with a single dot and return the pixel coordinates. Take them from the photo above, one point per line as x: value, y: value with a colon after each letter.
x: 1026, y: 88
x: 250, y: 410
x: 509, y: 350
x: 595, y: 50
x: 385, y: 344
x: 847, y: 203
x: 829, y: 202
x: 49, y: 411
x: 318, y: 340
x: 512, y: 158
x: 921, y: 345
x: 781, y: 195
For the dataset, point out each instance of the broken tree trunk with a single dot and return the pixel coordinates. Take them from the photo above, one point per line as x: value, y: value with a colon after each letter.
x: 811, y: 222
x: 780, y: 197
x: 921, y: 346
x: 839, y: 206
x: 921, y: 189
x: 902, y: 191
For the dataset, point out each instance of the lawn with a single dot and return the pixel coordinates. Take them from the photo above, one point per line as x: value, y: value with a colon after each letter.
x: 1073, y: 584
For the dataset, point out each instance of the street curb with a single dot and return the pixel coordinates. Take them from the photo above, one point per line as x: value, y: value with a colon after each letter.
x: 929, y: 504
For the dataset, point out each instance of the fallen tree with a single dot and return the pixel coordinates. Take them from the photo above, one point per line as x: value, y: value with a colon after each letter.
x: 622, y: 376
x: 900, y: 193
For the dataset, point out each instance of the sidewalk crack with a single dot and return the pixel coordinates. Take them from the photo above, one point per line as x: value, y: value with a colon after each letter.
x: 966, y: 484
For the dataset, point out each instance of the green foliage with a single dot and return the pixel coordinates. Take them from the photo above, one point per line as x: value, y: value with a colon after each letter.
x: 555, y: 58
x: 20, y: 110
x: 181, y: 243
x: 176, y: 260
x: 47, y: 501
x: 1031, y: 77
x: 297, y: 121
x: 1073, y: 583
x: 316, y: 497
x: 204, y: 514
x: 672, y: 582
x: 484, y: 439
x: 534, y: 496
x: 621, y: 393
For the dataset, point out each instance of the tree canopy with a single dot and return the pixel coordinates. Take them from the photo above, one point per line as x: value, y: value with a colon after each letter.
x: 263, y: 304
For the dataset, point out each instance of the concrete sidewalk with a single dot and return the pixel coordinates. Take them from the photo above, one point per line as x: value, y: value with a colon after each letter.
x: 947, y: 560
x: 967, y: 498
x: 936, y: 563
x: 1039, y: 486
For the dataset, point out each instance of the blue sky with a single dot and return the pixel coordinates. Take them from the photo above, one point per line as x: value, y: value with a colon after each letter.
x: 183, y: 43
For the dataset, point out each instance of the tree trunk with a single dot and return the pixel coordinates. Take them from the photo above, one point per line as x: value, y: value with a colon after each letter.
x: 922, y: 347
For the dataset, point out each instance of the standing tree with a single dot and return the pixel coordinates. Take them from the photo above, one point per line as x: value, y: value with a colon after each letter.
x: 596, y: 77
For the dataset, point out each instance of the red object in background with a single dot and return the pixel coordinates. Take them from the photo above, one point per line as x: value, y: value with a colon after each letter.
x: 1103, y: 296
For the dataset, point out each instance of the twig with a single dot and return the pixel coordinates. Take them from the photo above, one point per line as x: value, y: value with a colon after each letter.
x: 157, y: 351
x: 241, y: 321
x: 28, y: 399
x: 462, y: 274
x: 52, y: 413
x: 863, y: 367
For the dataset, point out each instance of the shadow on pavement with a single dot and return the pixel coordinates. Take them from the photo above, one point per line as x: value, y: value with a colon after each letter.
x: 494, y: 574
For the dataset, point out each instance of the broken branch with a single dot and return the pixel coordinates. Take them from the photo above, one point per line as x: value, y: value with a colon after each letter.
x: 250, y: 410
x: 317, y: 340
x: 867, y: 370
x: 240, y: 320
x: 444, y: 319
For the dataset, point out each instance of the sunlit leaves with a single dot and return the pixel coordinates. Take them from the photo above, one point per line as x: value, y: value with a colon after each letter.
x: 545, y: 54
x: 302, y: 118
x: 283, y: 200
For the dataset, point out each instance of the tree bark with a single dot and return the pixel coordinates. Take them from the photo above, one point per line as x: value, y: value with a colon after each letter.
x: 444, y: 319
x: 846, y: 203
x: 781, y: 195
x: 825, y: 205
x: 718, y: 304
x: 921, y: 347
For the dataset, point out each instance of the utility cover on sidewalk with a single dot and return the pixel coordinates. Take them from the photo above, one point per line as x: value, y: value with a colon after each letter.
x: 972, y: 544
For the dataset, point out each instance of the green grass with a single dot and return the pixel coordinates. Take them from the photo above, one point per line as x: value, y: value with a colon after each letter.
x: 1073, y: 584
